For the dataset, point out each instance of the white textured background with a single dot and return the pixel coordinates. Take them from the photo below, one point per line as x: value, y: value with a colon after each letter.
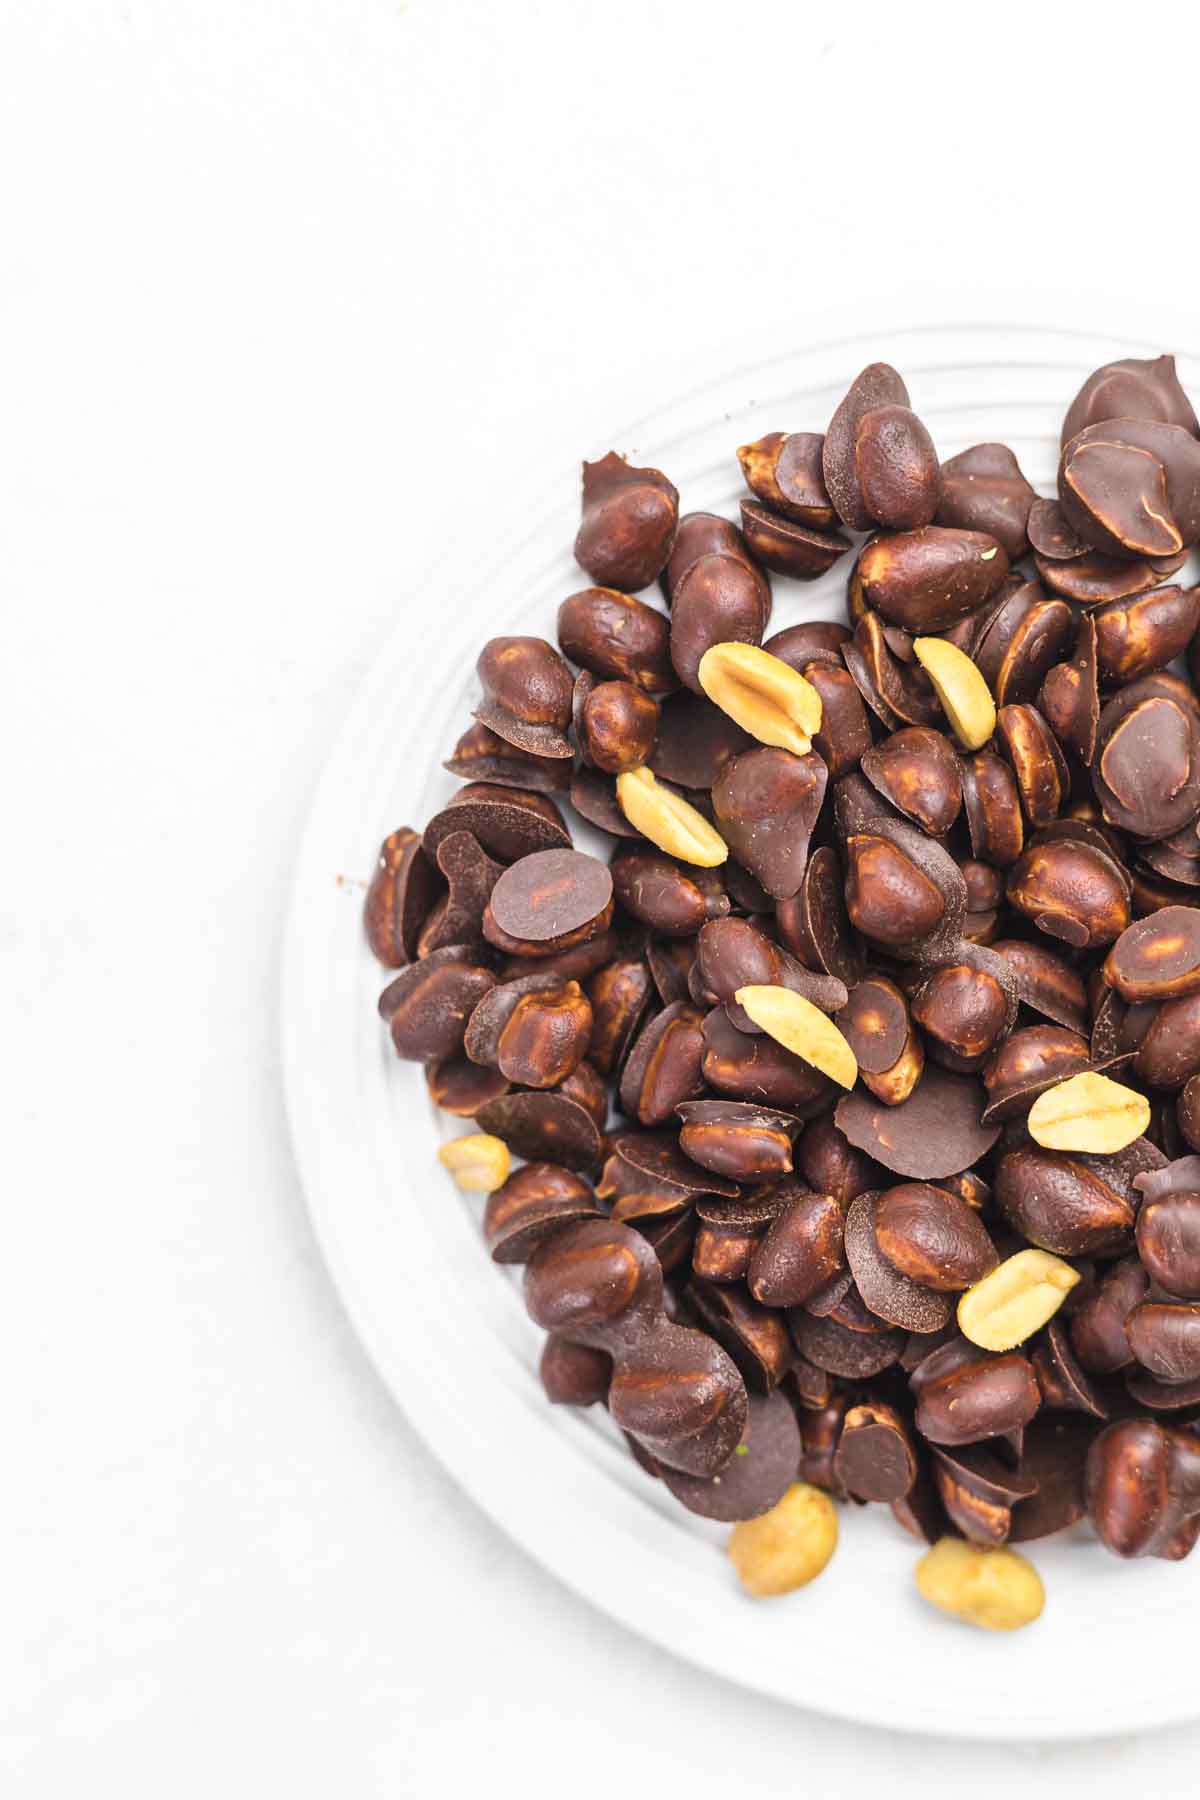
x: 284, y: 288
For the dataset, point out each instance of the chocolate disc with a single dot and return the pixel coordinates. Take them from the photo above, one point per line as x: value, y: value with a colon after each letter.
x: 508, y: 822
x: 890, y: 1295
x: 759, y: 1472
x: 695, y: 741
x: 544, y: 1127
x: 854, y: 1355
x: 935, y: 1132
x: 657, y: 1154
x: 550, y: 894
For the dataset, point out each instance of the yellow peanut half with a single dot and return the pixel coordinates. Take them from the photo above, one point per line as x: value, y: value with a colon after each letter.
x: 965, y: 696
x: 998, y: 1590
x: 1088, y: 1112
x: 1016, y: 1299
x: 668, y: 820
x: 478, y: 1162
x: 762, y: 694
x: 801, y: 1028
x: 788, y: 1547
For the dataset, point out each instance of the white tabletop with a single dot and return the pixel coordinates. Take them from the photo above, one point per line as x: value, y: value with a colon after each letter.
x: 283, y: 289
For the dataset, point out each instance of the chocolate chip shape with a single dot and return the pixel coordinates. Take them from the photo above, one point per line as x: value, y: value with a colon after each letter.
x: 758, y: 1474
x: 936, y: 1132
x: 1024, y: 636
x: 695, y: 741
x: 1054, y: 1455
x: 461, y: 1087
x: 1069, y: 699
x: 767, y: 803
x: 1065, y: 1385
x: 1051, y: 533
x: 854, y: 1355
x: 875, y: 1023
x: 918, y: 772
x: 755, y: 1336
x: 787, y: 546
x: 875, y: 1458
x: 1094, y: 578
x: 1134, y: 387
x: 470, y: 874
x: 1147, y: 771
x: 508, y: 822
x: 979, y: 1492
x: 532, y: 1204
x: 889, y: 1295
x: 545, y: 1127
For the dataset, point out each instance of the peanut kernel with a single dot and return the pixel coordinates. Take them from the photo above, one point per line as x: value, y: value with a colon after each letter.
x: 801, y: 1028
x: 1016, y: 1299
x: 787, y: 1547
x: 1088, y: 1112
x: 668, y: 820
x: 762, y: 694
x: 998, y: 1590
x: 478, y: 1162
x: 965, y: 696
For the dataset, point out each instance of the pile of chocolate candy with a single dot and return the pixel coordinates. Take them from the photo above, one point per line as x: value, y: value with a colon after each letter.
x: 857, y: 1089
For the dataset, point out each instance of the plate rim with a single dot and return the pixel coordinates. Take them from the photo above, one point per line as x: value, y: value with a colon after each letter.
x: 531, y: 1522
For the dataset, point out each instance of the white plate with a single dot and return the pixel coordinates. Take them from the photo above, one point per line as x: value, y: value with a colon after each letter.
x: 447, y: 1329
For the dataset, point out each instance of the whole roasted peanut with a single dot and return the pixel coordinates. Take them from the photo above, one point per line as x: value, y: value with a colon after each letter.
x: 996, y: 1589
x: 738, y: 1140
x: 978, y: 1399
x: 1143, y: 1486
x: 1157, y: 958
x: 403, y: 888
x: 896, y: 467
x: 965, y: 1007
x: 965, y: 697
x: 890, y: 898
x: 926, y: 580
x: 1098, y: 1326
x: 545, y: 1036
x: 1165, y: 1338
x: 933, y: 1237
x: 668, y: 820
x: 619, y: 993
x: 1187, y: 1108
x: 787, y: 1547
x: 1015, y: 1299
x: 1071, y: 891
x: 767, y: 803
x: 573, y: 1375
x: 733, y: 953
x: 529, y: 1205
x: 617, y: 638
x: 526, y: 694
x: 878, y: 385
x: 762, y: 694
x: 1169, y: 1053
x: 983, y: 489
x: 1032, y: 750
x: 478, y: 1162
x: 1088, y: 1112
x: 616, y: 726
x: 663, y: 1068
x: 993, y: 809
x: 1137, y: 636
x: 1060, y: 1205
x: 428, y: 1004
x: 800, y: 1252
x: 1069, y: 697
x: 917, y: 771
x: 628, y: 526
x: 784, y: 470
x: 675, y: 1390
x: 1027, y: 1063
x: 1168, y: 1239
x: 875, y: 1458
